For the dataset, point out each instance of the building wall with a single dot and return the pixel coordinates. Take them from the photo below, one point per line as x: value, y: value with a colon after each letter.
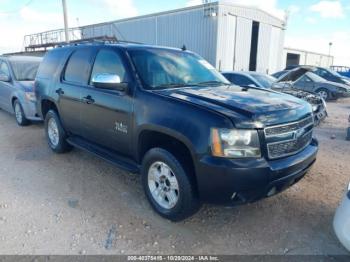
x: 193, y: 28
x: 234, y: 39
x: 308, y: 58
x: 219, y: 32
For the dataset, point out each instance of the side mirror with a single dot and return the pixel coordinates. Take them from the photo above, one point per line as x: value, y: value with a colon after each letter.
x: 108, y: 81
x: 4, y: 77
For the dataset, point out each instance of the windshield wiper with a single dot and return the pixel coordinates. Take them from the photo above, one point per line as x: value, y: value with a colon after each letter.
x: 214, y: 82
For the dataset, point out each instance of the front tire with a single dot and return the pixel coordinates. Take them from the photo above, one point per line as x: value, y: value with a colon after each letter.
x: 167, y: 186
x: 19, y: 114
x: 55, y: 134
x: 324, y: 93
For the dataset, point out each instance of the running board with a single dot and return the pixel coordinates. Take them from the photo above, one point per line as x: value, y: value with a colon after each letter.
x: 113, y: 158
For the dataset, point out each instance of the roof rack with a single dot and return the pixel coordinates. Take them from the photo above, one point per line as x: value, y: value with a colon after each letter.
x: 56, y: 38
x: 92, y: 40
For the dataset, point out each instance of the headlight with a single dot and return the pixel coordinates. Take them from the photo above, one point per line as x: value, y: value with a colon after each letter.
x: 30, y: 96
x: 235, y: 143
x: 314, y: 108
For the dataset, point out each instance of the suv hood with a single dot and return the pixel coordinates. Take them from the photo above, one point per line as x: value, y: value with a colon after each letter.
x: 246, y: 107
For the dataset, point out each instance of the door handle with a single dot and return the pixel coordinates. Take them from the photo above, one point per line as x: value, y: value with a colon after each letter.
x: 88, y: 99
x: 59, y: 91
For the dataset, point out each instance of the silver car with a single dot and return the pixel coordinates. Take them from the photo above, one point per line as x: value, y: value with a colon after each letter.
x: 305, y: 80
x: 341, y: 221
x: 17, y: 74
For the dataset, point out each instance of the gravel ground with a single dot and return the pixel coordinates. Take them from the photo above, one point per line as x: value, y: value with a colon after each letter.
x: 78, y: 204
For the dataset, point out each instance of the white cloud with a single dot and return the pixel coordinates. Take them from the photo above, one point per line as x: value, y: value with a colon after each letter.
x: 293, y: 9
x: 329, y: 9
x: 29, y: 15
x: 121, y: 8
x: 340, y: 47
x: 311, y: 20
x: 193, y: 2
x: 269, y: 6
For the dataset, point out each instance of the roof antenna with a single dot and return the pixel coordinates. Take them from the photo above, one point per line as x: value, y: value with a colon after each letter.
x: 183, y: 48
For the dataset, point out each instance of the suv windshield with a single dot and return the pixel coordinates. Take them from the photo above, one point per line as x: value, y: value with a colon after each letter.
x: 24, y: 70
x: 160, y: 68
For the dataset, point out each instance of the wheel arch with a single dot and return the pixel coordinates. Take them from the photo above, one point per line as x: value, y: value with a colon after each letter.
x: 177, y: 144
x: 46, y: 105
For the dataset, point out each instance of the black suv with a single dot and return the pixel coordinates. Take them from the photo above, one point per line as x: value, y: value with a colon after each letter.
x: 168, y: 114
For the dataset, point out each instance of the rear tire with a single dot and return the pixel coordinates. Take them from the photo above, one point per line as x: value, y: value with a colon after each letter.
x: 167, y: 186
x: 19, y: 114
x: 55, y: 134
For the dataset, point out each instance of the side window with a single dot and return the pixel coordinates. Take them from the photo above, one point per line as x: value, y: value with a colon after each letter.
x: 4, y: 69
x: 323, y: 73
x: 305, y: 79
x: 78, y: 67
x: 109, y: 62
x: 243, y: 81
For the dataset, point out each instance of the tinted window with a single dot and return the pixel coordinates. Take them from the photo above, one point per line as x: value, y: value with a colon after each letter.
x: 228, y: 77
x: 77, y: 70
x: 4, y: 69
x: 51, y: 61
x: 304, y: 79
x: 109, y: 62
x: 242, y: 80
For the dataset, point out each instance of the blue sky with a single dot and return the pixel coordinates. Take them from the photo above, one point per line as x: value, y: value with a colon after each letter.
x: 312, y: 24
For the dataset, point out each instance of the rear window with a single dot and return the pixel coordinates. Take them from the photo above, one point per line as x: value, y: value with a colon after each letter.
x: 51, y: 61
x: 24, y: 70
x: 77, y: 69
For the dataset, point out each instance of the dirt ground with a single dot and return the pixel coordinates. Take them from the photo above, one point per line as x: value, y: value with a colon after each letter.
x: 79, y: 204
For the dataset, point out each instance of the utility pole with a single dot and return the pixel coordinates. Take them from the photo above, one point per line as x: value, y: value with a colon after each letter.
x: 329, y: 53
x: 64, y: 5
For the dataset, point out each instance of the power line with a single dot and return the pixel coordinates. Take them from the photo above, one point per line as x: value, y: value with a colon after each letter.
x: 17, y: 10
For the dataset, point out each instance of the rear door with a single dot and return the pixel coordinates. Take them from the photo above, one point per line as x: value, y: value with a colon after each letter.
x: 106, y: 114
x: 5, y: 88
x: 74, y: 79
x: 304, y: 83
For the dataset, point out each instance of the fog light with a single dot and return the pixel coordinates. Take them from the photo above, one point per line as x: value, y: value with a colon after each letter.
x: 272, y: 191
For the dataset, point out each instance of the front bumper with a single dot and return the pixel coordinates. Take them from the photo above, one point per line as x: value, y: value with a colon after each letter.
x: 239, y: 181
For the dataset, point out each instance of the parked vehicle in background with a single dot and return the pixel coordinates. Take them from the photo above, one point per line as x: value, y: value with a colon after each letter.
x: 17, y: 74
x: 168, y: 114
x: 254, y: 79
x: 279, y: 73
x: 249, y: 78
x: 342, y: 70
x: 325, y: 73
x: 341, y: 221
x: 304, y: 79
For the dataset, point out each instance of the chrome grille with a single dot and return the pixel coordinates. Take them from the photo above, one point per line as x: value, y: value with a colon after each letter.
x: 281, y: 129
x: 288, y: 139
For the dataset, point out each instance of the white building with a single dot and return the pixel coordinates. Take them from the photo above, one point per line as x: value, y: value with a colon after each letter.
x: 293, y: 56
x: 230, y: 37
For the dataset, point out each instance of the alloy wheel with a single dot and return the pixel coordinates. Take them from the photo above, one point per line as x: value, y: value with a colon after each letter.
x: 163, y: 185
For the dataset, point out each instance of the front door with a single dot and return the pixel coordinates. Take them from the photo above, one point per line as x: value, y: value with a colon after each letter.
x: 106, y: 114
